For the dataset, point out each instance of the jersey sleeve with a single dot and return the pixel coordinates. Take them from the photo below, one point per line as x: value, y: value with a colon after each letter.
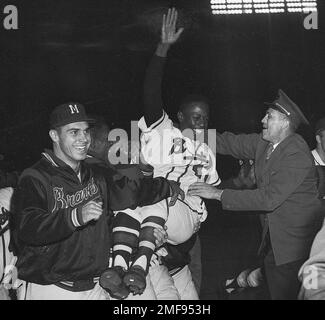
x: 163, y: 123
x: 157, y: 140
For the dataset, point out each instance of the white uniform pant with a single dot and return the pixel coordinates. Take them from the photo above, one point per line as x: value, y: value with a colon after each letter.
x: 33, y: 291
x: 185, y: 285
x: 182, y: 222
x: 160, y: 286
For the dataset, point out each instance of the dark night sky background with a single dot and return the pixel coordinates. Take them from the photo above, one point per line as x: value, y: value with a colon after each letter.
x: 96, y: 52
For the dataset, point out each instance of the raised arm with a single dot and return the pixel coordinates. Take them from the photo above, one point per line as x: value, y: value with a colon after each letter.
x: 153, y: 106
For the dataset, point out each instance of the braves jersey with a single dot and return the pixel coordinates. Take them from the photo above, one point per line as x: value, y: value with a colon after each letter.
x: 177, y: 157
x: 51, y: 240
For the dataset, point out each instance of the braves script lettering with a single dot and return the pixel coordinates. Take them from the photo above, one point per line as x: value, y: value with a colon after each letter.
x: 63, y: 201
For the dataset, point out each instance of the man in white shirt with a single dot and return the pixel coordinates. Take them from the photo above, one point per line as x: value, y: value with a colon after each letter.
x: 319, y: 156
x: 319, y: 152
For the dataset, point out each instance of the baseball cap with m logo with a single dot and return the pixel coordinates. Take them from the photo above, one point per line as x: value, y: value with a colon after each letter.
x: 68, y: 113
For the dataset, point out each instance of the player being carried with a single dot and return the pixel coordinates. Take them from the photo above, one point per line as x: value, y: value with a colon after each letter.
x: 173, y: 154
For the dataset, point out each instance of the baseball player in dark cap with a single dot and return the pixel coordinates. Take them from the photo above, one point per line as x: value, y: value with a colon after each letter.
x: 61, y: 222
x: 286, y: 192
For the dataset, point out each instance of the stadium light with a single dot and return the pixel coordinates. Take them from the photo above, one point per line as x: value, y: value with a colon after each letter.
x: 262, y: 6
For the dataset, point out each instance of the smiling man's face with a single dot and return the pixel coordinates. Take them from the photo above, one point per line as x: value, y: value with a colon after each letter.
x: 274, y: 123
x: 71, y: 142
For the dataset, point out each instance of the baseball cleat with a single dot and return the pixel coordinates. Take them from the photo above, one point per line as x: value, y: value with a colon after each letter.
x: 112, y: 281
x: 135, y: 279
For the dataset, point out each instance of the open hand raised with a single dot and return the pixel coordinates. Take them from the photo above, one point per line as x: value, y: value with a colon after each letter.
x: 169, y: 35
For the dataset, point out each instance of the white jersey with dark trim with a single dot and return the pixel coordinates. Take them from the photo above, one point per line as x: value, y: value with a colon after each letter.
x: 177, y: 157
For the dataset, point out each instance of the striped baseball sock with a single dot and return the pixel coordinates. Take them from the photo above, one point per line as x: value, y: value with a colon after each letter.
x: 125, y: 238
x: 147, y: 242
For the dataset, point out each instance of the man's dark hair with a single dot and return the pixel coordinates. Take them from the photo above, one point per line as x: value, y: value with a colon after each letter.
x: 185, y: 102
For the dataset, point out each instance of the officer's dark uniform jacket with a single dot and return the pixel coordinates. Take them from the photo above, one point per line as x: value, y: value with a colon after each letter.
x: 286, y: 191
x: 49, y: 237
